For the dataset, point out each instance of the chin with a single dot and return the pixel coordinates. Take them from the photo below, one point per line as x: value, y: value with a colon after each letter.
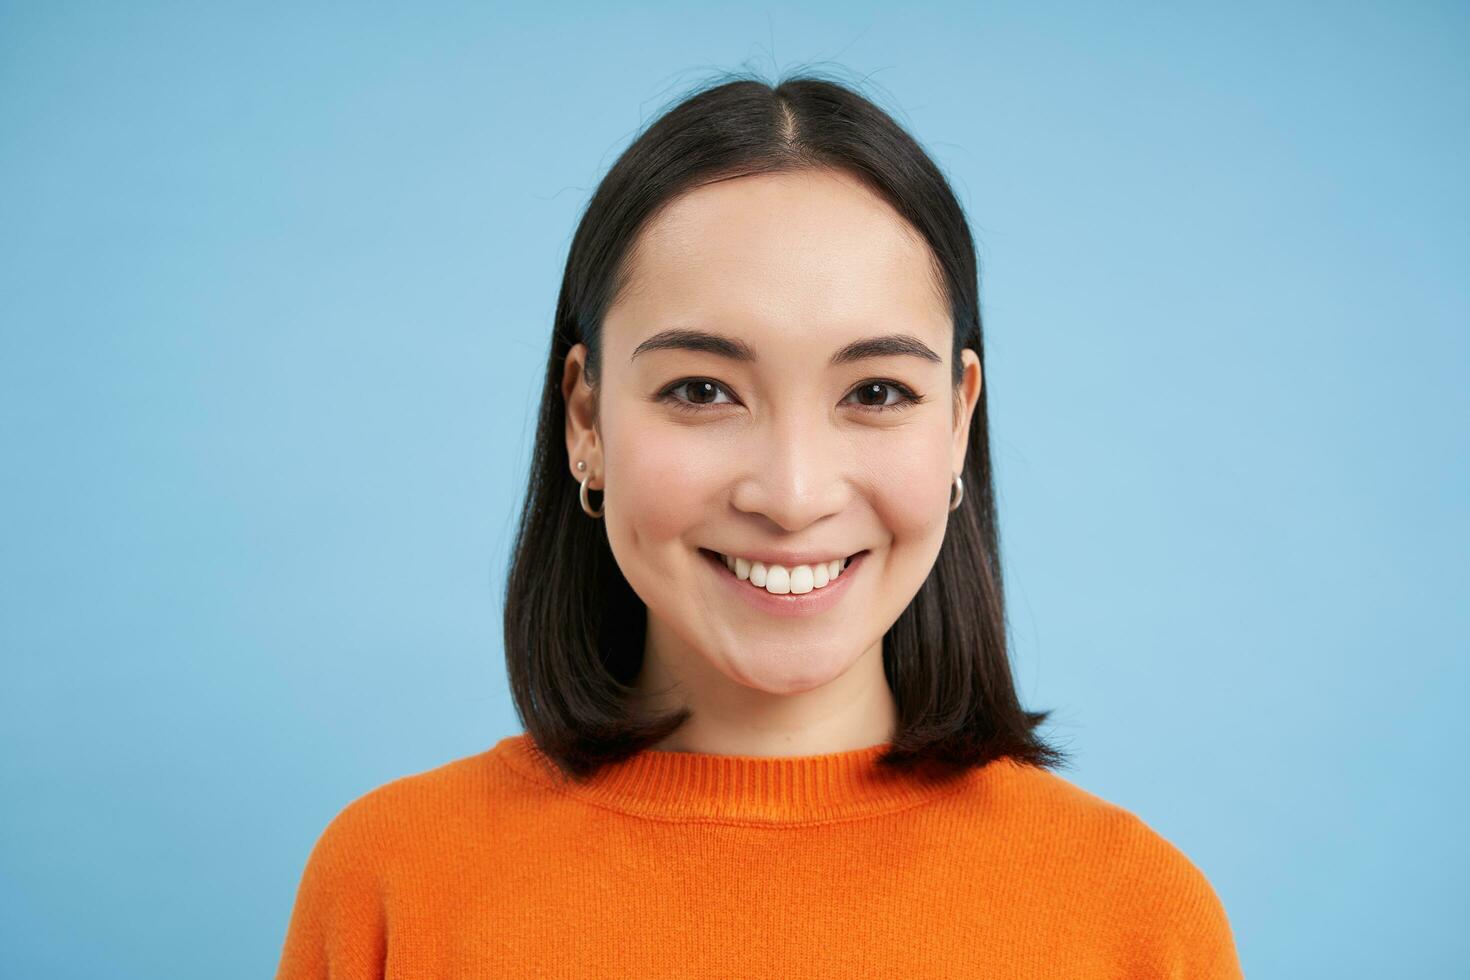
x: 793, y: 670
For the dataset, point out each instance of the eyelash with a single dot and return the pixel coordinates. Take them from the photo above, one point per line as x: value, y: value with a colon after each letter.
x: 910, y: 397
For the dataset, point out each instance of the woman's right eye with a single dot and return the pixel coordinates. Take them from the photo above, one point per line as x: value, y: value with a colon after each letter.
x: 699, y: 392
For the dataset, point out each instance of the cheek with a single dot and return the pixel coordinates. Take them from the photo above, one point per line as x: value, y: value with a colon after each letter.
x: 909, y: 483
x: 659, y: 481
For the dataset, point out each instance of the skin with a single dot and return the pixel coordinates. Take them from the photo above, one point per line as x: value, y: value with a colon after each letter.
x: 787, y: 451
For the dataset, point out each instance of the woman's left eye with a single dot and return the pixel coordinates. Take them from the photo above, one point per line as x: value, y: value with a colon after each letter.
x: 703, y: 391
x: 906, y: 396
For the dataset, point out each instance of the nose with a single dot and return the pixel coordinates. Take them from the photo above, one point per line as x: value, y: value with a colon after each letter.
x: 795, y: 473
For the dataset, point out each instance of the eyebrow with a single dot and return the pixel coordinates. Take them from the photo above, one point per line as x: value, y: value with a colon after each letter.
x: 738, y: 350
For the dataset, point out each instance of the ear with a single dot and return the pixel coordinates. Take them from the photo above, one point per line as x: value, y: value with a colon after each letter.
x: 583, y: 441
x: 966, y: 397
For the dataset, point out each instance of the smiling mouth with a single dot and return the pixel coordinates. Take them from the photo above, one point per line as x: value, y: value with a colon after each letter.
x: 795, y: 581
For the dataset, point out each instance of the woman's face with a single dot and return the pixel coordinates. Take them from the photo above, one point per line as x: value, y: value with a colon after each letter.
x: 774, y: 436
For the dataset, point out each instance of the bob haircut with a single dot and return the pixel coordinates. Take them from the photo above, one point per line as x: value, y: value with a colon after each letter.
x: 575, y: 629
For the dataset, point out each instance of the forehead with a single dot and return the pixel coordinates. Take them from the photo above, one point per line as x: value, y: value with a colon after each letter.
x: 797, y: 255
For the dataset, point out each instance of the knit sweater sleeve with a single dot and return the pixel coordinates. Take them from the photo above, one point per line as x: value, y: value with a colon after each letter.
x: 337, y: 927
x: 1184, y: 932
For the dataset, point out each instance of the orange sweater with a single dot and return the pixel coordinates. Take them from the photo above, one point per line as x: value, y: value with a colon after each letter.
x: 676, y: 864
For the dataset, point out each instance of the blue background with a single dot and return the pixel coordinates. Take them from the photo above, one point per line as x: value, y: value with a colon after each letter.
x: 276, y: 286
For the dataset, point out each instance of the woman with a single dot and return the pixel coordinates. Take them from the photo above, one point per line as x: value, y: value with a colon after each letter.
x: 771, y: 728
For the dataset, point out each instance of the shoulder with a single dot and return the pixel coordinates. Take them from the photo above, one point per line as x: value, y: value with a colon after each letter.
x: 1060, y: 808
x: 339, y: 921
x: 412, y: 810
x: 1083, y: 824
x: 1169, y: 908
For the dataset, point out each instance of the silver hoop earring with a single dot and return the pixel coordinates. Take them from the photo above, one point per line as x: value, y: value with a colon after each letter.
x: 582, y: 494
x: 959, y: 492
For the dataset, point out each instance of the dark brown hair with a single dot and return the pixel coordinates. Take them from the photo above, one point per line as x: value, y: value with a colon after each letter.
x: 574, y: 628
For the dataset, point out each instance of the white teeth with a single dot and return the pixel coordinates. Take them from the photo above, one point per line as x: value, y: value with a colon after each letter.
x: 781, y: 580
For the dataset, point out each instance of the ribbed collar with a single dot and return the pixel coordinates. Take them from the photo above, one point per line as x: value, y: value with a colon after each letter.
x: 751, y: 789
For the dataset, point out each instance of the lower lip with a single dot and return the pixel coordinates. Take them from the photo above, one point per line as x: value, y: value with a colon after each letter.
x: 806, y: 604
